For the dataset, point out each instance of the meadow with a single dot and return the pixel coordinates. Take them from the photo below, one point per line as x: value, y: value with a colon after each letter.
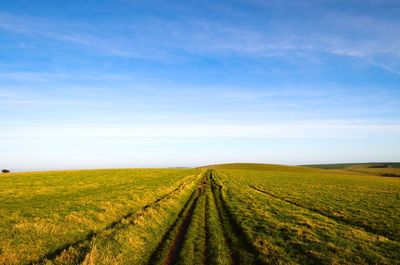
x: 65, y: 216
x: 220, y: 214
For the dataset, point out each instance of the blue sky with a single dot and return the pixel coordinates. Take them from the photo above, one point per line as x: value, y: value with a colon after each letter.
x: 90, y: 84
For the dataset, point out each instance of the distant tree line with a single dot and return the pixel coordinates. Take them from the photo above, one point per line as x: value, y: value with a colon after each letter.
x: 5, y: 171
x: 379, y: 166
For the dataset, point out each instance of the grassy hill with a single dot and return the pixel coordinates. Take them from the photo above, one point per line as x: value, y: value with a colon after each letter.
x: 384, y: 169
x: 239, y: 213
x: 262, y: 167
x: 345, y: 165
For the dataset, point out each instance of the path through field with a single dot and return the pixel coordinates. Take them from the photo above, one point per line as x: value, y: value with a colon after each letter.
x: 268, y: 214
x: 78, y: 250
x: 205, y: 232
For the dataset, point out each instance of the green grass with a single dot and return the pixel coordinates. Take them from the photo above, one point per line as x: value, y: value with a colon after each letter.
x: 192, y: 253
x: 381, y: 169
x: 221, y: 214
x: 43, y: 212
x: 384, y: 172
x: 344, y: 165
x: 322, y: 217
x: 218, y: 252
x: 262, y: 167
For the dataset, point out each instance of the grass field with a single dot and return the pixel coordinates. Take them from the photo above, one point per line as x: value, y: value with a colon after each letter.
x: 345, y: 165
x: 69, y: 215
x: 381, y: 169
x: 220, y: 214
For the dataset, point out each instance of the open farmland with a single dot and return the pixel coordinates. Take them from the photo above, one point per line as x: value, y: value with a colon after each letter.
x: 64, y: 216
x: 222, y: 214
x: 301, y: 215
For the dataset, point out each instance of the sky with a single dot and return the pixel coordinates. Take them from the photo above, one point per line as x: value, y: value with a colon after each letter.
x: 125, y: 83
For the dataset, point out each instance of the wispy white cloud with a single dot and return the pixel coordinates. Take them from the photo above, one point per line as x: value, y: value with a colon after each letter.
x: 355, y: 36
x: 78, y: 34
x: 43, y: 76
x: 299, y: 129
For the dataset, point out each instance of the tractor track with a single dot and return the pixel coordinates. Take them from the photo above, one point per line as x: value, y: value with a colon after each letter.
x: 83, y: 245
x: 177, y: 230
x: 238, y: 245
x: 241, y: 249
x: 207, y: 231
x: 330, y: 217
x: 180, y: 237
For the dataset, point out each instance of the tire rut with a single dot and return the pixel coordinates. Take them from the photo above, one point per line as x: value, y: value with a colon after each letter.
x: 241, y: 248
x: 168, y: 250
x: 180, y: 237
x: 83, y: 245
x: 330, y: 217
x: 207, y: 231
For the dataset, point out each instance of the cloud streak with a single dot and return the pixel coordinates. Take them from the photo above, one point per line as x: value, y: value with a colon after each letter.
x: 161, y: 38
x: 305, y: 129
x: 249, y: 75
